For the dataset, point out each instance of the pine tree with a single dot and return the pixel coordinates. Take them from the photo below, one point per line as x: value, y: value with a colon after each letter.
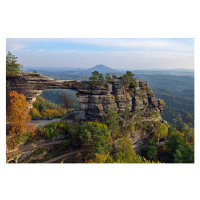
x: 12, y: 67
x: 108, y: 78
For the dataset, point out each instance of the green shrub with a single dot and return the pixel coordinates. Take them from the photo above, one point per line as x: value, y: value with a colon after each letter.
x: 48, y: 130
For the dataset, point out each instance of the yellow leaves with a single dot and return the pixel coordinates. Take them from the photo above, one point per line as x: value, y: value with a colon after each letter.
x: 18, y: 108
x: 162, y: 103
x: 35, y: 112
x: 97, y: 123
x: 18, y: 114
x: 49, y: 113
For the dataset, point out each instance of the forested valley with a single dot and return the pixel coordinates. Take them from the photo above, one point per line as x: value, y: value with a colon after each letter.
x: 108, y: 140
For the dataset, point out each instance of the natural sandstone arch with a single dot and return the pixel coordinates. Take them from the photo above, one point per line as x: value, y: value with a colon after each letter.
x: 94, y: 99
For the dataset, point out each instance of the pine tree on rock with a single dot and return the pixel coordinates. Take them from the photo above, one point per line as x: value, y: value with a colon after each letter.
x: 12, y: 67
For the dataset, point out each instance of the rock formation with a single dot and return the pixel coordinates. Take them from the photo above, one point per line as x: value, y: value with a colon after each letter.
x: 94, y: 99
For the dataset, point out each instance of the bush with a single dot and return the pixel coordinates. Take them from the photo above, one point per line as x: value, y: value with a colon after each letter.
x: 95, y: 138
x: 48, y: 130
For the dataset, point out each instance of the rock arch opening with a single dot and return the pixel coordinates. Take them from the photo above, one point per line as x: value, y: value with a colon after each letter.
x: 50, y: 105
x: 53, y: 95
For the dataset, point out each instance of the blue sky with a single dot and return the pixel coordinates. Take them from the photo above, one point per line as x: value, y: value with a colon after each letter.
x: 115, y: 53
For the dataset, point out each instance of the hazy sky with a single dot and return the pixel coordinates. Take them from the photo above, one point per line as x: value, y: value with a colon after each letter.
x: 115, y: 53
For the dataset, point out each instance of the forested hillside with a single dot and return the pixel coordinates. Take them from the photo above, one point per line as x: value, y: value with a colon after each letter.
x: 178, y: 95
x: 176, y: 91
x: 53, y: 96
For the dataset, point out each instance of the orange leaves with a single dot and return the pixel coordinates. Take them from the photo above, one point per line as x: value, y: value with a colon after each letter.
x: 18, y: 108
x: 18, y: 113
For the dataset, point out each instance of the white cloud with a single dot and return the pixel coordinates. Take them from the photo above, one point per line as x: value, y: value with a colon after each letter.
x: 148, y: 44
x: 114, y: 59
x: 13, y: 45
x: 145, y: 44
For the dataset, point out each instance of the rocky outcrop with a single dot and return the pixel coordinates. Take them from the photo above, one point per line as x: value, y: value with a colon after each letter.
x: 94, y: 99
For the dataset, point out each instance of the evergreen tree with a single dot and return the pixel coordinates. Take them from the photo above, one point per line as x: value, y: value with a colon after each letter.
x: 110, y: 119
x: 128, y: 80
x: 101, y: 79
x: 12, y: 67
x: 108, y: 78
x: 97, y: 78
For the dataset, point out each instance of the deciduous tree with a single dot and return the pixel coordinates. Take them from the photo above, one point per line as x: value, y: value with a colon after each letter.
x: 161, y: 131
x: 34, y: 112
x: 95, y: 138
x: 67, y: 103
x: 18, y: 113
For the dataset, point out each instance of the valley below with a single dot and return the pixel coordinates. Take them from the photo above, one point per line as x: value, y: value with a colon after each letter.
x: 115, y: 121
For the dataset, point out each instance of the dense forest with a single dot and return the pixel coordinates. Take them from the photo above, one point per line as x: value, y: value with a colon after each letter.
x: 106, y: 140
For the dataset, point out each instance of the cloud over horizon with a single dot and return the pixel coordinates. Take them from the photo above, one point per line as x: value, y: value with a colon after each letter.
x: 116, y: 53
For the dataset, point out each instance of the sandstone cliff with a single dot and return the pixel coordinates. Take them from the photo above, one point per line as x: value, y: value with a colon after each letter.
x: 94, y: 99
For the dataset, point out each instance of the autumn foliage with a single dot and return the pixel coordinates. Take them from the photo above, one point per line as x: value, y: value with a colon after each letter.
x: 18, y: 114
x: 35, y: 112
x: 45, y: 108
x: 67, y: 103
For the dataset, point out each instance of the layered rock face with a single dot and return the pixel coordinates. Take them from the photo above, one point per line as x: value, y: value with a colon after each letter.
x: 94, y: 99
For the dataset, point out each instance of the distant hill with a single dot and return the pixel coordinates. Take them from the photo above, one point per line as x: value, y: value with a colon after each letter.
x: 101, y: 69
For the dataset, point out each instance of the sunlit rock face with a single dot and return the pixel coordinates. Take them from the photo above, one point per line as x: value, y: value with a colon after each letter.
x: 94, y: 99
